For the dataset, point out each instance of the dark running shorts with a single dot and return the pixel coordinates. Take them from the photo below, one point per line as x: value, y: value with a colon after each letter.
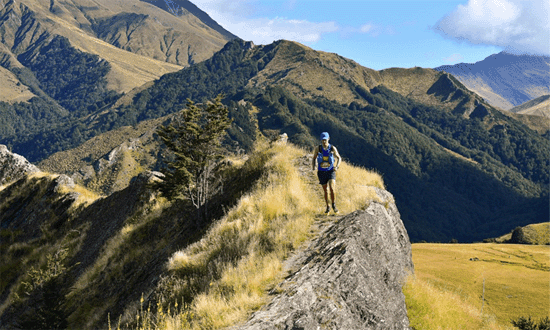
x: 325, y: 176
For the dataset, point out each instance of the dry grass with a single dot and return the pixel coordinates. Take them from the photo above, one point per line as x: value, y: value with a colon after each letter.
x: 249, y: 244
x: 12, y: 90
x: 85, y: 196
x: 355, y: 188
x: 433, y: 307
x: 240, y: 259
x: 455, y: 282
x: 538, y: 233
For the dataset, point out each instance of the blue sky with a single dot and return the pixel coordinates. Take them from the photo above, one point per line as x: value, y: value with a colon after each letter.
x: 393, y: 33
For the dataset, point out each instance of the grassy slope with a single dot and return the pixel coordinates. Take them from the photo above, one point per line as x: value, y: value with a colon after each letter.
x: 447, y: 290
x: 539, y: 106
x: 537, y: 234
x: 270, y: 205
x: 241, y: 257
x: 227, y: 274
x: 12, y: 90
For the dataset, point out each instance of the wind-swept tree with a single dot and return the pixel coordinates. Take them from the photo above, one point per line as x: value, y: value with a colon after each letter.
x: 194, y: 139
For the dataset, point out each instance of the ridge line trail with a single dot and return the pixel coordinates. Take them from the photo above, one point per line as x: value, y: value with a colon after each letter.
x: 321, y: 221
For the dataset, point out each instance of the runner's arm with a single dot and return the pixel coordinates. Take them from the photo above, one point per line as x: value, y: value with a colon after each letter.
x: 314, y: 158
x: 337, y: 157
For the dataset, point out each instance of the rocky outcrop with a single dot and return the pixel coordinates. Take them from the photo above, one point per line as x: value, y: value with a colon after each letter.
x: 350, y: 277
x: 13, y: 166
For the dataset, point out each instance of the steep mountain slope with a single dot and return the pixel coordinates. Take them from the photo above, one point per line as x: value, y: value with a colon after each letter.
x: 70, y: 259
x: 29, y: 25
x: 481, y: 172
x: 62, y: 60
x: 106, y: 163
x: 184, y: 7
x: 505, y: 80
x: 538, y: 107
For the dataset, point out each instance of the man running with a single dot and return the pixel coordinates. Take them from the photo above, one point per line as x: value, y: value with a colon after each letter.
x: 325, y: 155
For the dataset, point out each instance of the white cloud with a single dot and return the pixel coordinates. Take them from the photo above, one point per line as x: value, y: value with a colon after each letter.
x: 366, y: 28
x: 518, y: 25
x: 266, y: 30
x: 237, y: 17
x: 453, y: 58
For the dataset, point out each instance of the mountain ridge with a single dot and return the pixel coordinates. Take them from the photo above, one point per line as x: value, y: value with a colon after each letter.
x: 539, y: 107
x: 443, y: 140
x: 505, y: 80
x: 101, y: 262
x: 181, y: 7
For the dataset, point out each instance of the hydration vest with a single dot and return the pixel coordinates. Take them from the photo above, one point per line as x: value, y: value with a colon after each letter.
x: 325, y: 158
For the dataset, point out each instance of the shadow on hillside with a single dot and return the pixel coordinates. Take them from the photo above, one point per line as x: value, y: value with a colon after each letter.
x: 439, y: 195
x: 452, y: 200
x: 137, y: 265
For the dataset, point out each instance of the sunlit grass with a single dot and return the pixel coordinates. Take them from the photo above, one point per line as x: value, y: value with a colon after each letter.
x: 433, y: 307
x: 482, y: 286
x: 538, y: 233
x: 85, y: 196
x: 230, y: 270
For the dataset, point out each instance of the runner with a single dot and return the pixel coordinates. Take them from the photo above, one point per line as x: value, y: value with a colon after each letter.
x: 326, y: 155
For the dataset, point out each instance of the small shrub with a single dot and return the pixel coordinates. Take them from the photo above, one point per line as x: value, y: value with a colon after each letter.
x: 526, y: 323
x: 54, y: 267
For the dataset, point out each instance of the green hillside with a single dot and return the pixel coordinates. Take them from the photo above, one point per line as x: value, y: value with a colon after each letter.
x: 458, y: 167
x: 535, y: 234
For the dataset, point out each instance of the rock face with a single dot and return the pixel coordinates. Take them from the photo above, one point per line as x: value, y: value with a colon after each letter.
x: 13, y: 166
x: 351, y: 277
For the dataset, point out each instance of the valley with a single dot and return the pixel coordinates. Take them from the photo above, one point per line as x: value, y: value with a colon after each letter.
x: 481, y: 286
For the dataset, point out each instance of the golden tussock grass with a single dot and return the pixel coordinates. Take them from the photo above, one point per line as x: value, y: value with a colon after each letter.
x: 433, y: 307
x: 85, y: 196
x: 477, y: 286
x: 355, y: 187
x: 538, y: 233
x: 241, y: 256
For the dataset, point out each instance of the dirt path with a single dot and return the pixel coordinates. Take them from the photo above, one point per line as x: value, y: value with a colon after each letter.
x: 322, y: 221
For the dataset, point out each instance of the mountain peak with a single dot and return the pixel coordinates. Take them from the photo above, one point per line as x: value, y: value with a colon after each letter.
x: 184, y: 7
x: 505, y: 80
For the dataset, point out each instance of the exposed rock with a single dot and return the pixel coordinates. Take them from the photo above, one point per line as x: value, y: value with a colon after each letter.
x: 351, y: 277
x: 114, y: 156
x: 13, y: 166
x: 281, y: 139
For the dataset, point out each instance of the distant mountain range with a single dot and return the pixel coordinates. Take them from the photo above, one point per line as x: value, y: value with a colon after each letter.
x: 62, y: 61
x: 538, y: 107
x: 505, y: 80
